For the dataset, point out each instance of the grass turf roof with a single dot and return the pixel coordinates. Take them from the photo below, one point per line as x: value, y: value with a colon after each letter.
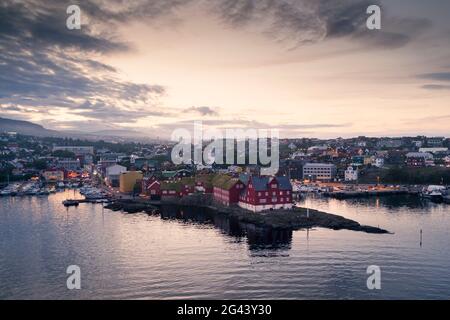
x: 224, y: 182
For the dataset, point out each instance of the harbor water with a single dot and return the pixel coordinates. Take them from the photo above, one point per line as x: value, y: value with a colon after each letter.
x: 173, y: 256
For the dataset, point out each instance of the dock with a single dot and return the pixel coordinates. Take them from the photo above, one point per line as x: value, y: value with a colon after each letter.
x: 78, y: 201
x: 368, y: 193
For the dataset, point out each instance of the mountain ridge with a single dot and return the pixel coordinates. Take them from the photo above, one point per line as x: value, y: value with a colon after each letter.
x: 29, y: 128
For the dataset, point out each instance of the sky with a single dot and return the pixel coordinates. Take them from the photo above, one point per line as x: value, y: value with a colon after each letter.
x: 309, y: 68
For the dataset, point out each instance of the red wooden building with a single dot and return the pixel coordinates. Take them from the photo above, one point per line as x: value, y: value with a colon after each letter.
x: 152, y: 188
x: 226, y: 189
x: 266, y: 193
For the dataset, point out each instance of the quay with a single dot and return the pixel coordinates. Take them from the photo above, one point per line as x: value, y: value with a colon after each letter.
x: 368, y: 193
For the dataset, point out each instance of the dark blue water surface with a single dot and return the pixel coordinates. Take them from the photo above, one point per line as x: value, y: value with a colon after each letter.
x: 125, y: 256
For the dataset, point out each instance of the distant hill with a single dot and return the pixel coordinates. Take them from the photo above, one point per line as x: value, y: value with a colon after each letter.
x: 26, y: 128
x: 32, y: 129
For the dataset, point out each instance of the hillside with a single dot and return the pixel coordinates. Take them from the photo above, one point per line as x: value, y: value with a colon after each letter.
x: 26, y: 128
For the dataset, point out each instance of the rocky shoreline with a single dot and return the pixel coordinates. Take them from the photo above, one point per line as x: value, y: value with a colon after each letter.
x: 295, y: 219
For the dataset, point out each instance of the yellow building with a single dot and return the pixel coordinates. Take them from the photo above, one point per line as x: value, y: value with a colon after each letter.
x: 128, y: 181
x: 367, y: 160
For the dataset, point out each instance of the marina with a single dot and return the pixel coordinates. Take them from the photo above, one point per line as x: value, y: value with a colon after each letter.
x: 90, y: 193
x: 434, y: 193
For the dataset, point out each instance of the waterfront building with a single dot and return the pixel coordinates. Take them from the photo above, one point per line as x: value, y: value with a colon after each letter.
x: 128, y: 181
x: 266, y: 193
x: 419, y: 159
x: 151, y: 187
x: 155, y: 189
x: 112, y: 176
x: 319, y: 171
x: 226, y: 189
x: 178, y: 188
x: 170, y: 189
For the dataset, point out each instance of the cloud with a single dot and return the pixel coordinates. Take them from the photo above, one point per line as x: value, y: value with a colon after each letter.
x: 295, y: 21
x: 43, y: 23
x: 204, y: 111
x: 166, y: 129
x: 47, y: 69
x: 437, y: 76
x: 436, y: 87
x: 302, y: 22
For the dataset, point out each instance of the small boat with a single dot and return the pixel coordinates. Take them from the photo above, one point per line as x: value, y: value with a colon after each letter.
x: 5, y: 192
x: 44, y: 191
x: 69, y: 203
x: 433, y: 193
x: 32, y: 192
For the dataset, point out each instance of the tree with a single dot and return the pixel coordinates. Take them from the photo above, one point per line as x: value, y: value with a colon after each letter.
x: 39, y: 164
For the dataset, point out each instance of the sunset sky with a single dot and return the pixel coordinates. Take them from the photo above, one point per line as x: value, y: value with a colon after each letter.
x: 310, y: 68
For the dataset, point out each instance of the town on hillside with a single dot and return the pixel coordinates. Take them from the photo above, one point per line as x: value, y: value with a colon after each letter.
x: 37, y: 165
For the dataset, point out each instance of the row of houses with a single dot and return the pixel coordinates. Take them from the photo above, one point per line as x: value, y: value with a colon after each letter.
x: 252, y: 192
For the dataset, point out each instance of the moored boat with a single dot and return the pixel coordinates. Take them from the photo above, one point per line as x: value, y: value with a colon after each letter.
x: 433, y: 193
x: 446, y: 199
x: 69, y: 203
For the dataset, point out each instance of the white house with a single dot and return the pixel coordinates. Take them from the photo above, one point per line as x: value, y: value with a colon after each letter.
x: 298, y: 155
x: 434, y: 151
x: 351, y: 174
x: 113, y: 174
x: 447, y: 161
x: 378, y: 162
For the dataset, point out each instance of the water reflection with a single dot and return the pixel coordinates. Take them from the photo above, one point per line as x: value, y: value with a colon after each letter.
x: 257, y: 237
x: 199, y: 255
